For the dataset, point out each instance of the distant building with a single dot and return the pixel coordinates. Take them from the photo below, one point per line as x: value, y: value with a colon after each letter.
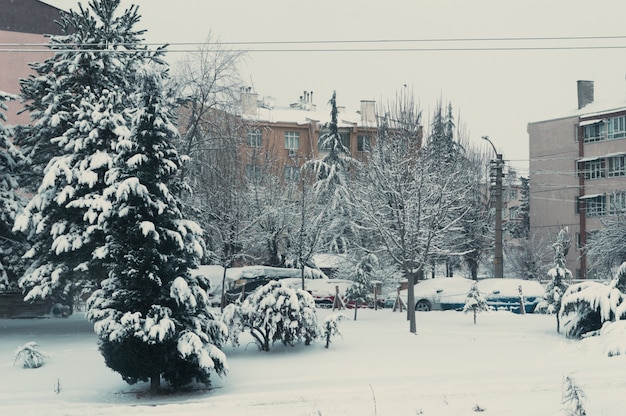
x: 23, y: 24
x: 291, y: 133
x: 577, y: 172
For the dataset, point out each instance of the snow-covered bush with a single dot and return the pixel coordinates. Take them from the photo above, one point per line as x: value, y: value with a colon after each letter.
x: 614, y: 338
x: 475, y: 302
x: 573, y: 398
x: 588, y: 305
x: 274, y: 312
x: 559, y: 276
x: 29, y: 356
x: 330, y: 327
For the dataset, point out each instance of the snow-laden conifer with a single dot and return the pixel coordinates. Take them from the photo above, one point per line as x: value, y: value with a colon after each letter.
x: 331, y: 187
x: 78, y: 100
x: 151, y: 315
x: 361, y: 290
x: 11, y: 203
x: 588, y: 305
x: 475, y: 302
x: 331, y: 327
x: 560, y: 277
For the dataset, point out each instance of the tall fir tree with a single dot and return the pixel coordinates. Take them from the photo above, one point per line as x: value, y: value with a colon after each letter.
x: 331, y: 188
x: 150, y: 306
x: 77, y: 100
x: 560, y: 276
x: 11, y: 203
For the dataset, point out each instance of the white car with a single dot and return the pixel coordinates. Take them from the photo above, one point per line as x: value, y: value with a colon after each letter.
x: 450, y: 293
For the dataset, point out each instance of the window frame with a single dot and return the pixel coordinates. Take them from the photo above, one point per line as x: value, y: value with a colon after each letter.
x: 594, y: 169
x: 596, y: 206
x: 619, y: 170
x: 361, y: 145
x: 254, y: 138
x: 292, y: 140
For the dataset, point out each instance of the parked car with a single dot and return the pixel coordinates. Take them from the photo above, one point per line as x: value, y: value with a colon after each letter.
x: 451, y: 293
x: 440, y: 293
x: 504, y: 294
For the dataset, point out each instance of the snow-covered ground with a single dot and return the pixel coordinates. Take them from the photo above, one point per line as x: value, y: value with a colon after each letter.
x: 507, y: 365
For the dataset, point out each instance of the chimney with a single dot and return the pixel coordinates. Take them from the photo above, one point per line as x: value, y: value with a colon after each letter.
x: 585, y: 93
x: 249, y: 103
x: 368, y: 112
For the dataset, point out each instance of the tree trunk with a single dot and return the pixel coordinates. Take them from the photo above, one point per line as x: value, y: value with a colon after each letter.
x: 410, y: 307
x: 223, y: 301
x: 155, y: 384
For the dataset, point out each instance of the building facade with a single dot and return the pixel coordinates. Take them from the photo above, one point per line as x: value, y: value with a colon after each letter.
x: 290, y: 135
x: 577, y: 173
x: 23, y: 26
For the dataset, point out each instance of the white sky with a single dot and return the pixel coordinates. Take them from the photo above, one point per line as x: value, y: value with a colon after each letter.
x: 496, y: 92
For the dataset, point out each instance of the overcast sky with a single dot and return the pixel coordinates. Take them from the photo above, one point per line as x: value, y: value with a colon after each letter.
x: 496, y: 92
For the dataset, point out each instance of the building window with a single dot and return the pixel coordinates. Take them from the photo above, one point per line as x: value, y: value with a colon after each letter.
x: 617, y: 166
x: 594, y: 169
x: 593, y: 132
x: 344, y: 137
x: 254, y: 138
x: 617, y: 128
x: 513, y: 213
x: 253, y: 172
x: 617, y: 204
x: 291, y: 173
x: 595, y: 206
x: 363, y: 143
x: 292, y: 140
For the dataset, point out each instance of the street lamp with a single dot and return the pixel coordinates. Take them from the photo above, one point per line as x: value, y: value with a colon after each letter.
x: 498, y: 259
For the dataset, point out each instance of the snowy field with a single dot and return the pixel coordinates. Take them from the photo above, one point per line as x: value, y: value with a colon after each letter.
x: 506, y: 365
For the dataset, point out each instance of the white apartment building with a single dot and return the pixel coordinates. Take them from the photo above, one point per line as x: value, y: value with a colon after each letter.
x: 577, y: 172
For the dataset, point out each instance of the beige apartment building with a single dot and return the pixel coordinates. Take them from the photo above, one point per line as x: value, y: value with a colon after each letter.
x: 577, y: 173
x: 290, y: 133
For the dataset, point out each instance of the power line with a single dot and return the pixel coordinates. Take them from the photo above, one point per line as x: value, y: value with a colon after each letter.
x: 19, y: 47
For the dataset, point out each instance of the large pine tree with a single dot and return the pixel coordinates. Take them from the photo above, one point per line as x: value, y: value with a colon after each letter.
x: 152, y: 317
x: 11, y: 245
x: 77, y: 100
x: 331, y: 187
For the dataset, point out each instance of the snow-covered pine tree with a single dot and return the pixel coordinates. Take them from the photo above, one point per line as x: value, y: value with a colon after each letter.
x: 11, y: 203
x: 331, y: 327
x: 475, y: 302
x: 77, y: 100
x: 275, y: 312
x: 151, y: 316
x: 573, y: 398
x: 360, y: 291
x: 559, y: 275
x: 331, y: 188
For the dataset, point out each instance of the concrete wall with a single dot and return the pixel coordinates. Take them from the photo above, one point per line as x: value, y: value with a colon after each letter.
x: 553, y: 182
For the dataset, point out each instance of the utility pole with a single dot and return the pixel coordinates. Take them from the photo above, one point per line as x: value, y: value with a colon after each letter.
x: 498, y: 259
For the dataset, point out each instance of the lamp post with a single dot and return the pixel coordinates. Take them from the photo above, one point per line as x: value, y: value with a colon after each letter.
x: 498, y: 259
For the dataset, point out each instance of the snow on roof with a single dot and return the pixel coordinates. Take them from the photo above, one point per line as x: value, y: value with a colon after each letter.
x: 593, y: 109
x: 302, y: 116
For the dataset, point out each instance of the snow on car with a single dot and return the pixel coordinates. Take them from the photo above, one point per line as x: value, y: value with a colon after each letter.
x: 440, y: 293
x: 450, y: 293
x: 504, y: 294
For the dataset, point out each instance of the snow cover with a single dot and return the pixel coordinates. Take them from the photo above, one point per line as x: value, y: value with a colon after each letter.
x: 507, y: 364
